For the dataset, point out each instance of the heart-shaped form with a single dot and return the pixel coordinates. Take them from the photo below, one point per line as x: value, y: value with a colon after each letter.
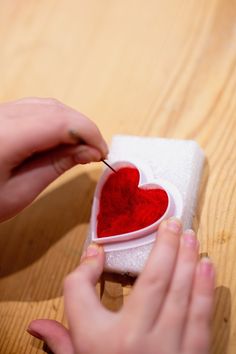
x: 125, y: 207
x: 128, y: 204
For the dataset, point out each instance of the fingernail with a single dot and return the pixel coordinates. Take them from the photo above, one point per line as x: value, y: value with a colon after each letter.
x: 190, y: 239
x: 104, y: 148
x: 92, y: 250
x: 86, y: 154
x: 34, y: 333
x: 74, y: 136
x: 90, y: 255
x: 206, y: 267
x: 174, y: 225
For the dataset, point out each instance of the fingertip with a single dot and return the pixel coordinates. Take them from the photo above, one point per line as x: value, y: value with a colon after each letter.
x: 36, y: 328
x: 90, y: 268
x: 53, y: 333
x: 206, y: 268
x: 104, y: 149
x: 190, y: 241
x: 94, y: 254
x: 205, y: 277
x: 86, y: 154
x: 34, y: 333
x: 174, y: 224
x: 87, y: 132
x: 169, y: 228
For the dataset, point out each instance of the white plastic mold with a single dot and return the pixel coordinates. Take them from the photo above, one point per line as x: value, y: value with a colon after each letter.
x: 143, y: 236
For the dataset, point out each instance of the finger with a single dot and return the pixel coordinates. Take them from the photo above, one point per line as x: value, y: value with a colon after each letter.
x: 151, y: 287
x: 83, y: 308
x: 38, y: 172
x: 175, y: 309
x: 197, y: 333
x: 44, y: 126
x: 54, y: 334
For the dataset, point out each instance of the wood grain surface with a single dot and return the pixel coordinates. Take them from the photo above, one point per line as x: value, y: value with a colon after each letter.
x: 141, y: 67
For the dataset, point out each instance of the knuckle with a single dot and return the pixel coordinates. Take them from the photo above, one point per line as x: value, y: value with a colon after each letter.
x: 200, y: 317
x: 202, y: 311
x: 155, y: 282
x: 61, y: 165
x: 130, y: 342
x: 179, y: 296
x: 171, y: 241
x: 200, y: 343
x: 29, y: 100
x: 50, y: 101
x: 55, y: 109
x: 39, y: 100
x: 57, y: 166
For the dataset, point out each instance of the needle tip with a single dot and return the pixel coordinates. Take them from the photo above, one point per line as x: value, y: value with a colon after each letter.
x: 107, y: 164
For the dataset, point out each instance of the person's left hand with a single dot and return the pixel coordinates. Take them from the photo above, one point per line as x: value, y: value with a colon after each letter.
x: 168, y: 311
x: 40, y: 139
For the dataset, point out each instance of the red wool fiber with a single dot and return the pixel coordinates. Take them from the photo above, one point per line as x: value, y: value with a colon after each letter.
x: 124, y: 207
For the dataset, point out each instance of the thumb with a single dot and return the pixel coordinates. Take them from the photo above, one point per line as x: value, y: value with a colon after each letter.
x: 55, y: 335
x: 37, y: 173
x: 82, y: 305
x: 47, y: 166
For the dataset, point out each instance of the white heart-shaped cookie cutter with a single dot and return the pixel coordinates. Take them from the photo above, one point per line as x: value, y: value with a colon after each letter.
x: 148, y: 234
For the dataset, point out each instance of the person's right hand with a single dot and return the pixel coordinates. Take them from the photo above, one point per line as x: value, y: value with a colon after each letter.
x: 40, y: 139
x: 168, y: 311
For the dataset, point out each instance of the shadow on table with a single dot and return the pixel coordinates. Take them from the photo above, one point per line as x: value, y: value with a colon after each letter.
x: 28, y: 237
x: 221, y: 320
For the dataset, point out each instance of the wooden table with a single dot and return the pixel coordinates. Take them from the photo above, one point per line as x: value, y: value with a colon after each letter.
x: 141, y: 67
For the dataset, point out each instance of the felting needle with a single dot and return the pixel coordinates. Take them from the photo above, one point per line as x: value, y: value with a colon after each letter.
x: 107, y: 164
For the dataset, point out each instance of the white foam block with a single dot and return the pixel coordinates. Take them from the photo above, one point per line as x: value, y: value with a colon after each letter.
x: 177, y: 161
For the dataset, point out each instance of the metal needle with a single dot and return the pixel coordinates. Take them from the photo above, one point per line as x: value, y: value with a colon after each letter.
x: 109, y: 166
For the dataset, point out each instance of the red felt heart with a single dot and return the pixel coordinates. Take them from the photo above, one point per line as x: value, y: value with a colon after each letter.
x: 126, y: 207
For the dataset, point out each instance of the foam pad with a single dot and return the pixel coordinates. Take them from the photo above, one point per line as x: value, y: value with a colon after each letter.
x: 179, y: 162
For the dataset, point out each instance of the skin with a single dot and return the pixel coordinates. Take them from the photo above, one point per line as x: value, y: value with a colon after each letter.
x: 170, y: 307
x: 41, y: 139
x: 168, y: 311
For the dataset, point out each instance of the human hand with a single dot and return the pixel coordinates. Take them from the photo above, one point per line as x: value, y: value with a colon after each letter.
x: 168, y: 311
x: 41, y: 139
